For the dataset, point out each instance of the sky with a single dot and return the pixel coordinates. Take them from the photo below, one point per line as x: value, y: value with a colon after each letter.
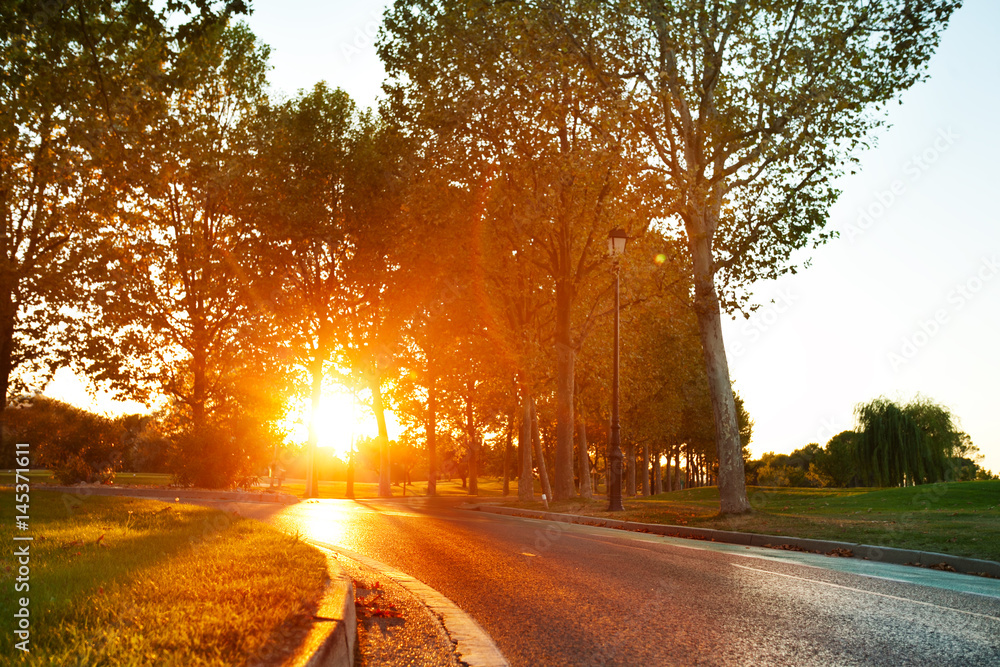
x: 905, y: 302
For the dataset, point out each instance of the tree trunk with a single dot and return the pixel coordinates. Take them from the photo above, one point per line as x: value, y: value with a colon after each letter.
x: 473, y: 438
x: 630, y: 469
x: 526, y: 483
x: 8, y: 319
x: 687, y: 466
x: 669, y: 481
x: 585, y: 489
x: 565, y: 367
x: 506, y: 454
x: 201, y: 460
x: 644, y: 459
x: 432, y: 438
x: 678, y: 480
x: 732, y: 478
x: 536, y: 439
x: 657, y: 474
x: 384, y: 481
x: 316, y: 393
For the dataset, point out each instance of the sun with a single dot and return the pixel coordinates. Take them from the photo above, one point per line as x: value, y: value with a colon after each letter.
x: 340, y: 421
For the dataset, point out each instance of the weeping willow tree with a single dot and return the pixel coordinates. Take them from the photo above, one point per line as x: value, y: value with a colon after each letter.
x: 909, y: 444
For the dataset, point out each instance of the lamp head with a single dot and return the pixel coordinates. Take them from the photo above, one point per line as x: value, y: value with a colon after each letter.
x: 616, y: 242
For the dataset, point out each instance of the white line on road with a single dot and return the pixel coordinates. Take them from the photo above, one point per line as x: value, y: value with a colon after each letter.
x: 472, y: 643
x: 861, y: 590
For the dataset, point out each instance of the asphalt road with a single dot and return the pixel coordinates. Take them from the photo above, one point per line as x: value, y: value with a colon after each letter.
x: 555, y: 594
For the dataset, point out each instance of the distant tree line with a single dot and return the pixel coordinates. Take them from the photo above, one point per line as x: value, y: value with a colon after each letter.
x: 895, y: 445
x: 80, y: 446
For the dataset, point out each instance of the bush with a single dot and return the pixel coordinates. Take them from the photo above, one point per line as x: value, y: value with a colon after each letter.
x: 76, y: 445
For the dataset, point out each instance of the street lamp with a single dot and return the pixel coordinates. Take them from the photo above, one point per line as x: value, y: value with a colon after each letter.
x: 616, y: 248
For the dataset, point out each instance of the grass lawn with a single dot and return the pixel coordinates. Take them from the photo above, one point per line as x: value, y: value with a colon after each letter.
x: 960, y: 518
x: 123, y: 581
x: 121, y: 479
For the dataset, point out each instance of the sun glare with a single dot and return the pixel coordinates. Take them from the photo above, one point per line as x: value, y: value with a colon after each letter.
x: 340, y: 421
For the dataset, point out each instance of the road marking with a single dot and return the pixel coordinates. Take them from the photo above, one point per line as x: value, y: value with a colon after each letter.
x: 525, y: 553
x: 473, y: 645
x: 861, y: 590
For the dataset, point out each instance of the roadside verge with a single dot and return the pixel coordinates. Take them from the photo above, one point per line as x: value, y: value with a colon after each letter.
x: 167, y: 493
x: 863, y: 551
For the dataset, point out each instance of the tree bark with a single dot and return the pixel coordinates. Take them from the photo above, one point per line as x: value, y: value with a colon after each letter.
x: 585, y: 489
x: 506, y: 453
x: 316, y: 393
x: 432, y: 438
x: 565, y: 368
x: 630, y: 469
x: 526, y: 483
x: 687, y: 466
x: 669, y: 481
x: 473, y: 438
x: 732, y: 478
x: 657, y: 474
x: 644, y: 459
x: 536, y: 439
x: 384, y: 481
x: 8, y: 319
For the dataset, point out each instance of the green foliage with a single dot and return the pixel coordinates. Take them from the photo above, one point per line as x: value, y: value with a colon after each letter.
x: 76, y: 445
x: 902, y: 445
x: 80, y: 85
x: 836, y: 462
x: 182, y: 304
x: 795, y: 469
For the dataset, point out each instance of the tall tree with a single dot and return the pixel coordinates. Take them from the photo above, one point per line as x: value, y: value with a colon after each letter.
x: 182, y: 292
x: 370, y: 334
x: 299, y: 177
x: 557, y: 181
x: 748, y: 110
x: 80, y: 84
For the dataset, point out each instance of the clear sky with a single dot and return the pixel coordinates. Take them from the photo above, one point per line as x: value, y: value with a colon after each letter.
x: 904, y: 302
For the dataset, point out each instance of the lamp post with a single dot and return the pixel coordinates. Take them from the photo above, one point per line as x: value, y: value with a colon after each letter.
x: 616, y: 248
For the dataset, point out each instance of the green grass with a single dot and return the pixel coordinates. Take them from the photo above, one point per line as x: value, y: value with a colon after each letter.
x: 118, y: 581
x: 121, y: 479
x: 959, y: 518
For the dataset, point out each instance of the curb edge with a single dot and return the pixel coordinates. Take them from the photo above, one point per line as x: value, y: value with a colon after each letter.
x: 334, y: 633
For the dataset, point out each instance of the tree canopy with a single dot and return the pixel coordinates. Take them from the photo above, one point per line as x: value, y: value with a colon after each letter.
x: 181, y: 232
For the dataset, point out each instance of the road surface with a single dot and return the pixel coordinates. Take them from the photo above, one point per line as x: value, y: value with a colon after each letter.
x: 556, y: 594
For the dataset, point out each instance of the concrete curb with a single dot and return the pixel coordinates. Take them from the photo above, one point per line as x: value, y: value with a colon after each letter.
x: 167, y: 493
x: 334, y: 634
x: 473, y: 646
x: 864, y: 551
